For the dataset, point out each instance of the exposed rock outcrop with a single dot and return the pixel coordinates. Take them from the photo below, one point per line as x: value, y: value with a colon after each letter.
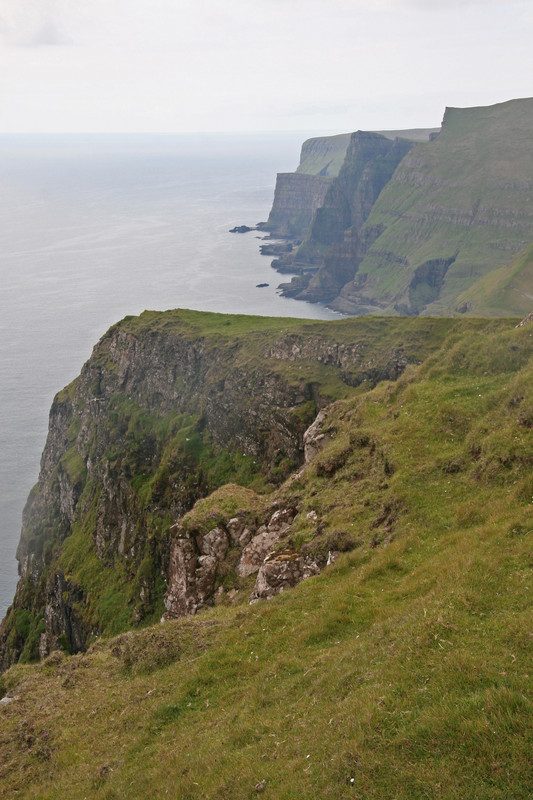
x: 282, y: 570
x: 197, y: 558
x: 264, y: 542
x: 528, y: 319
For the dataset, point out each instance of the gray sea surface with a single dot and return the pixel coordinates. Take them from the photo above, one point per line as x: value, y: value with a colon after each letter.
x: 96, y: 227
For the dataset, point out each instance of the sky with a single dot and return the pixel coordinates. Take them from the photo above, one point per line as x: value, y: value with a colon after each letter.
x: 256, y: 65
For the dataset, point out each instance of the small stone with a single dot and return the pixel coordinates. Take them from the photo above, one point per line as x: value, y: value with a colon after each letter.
x: 5, y: 701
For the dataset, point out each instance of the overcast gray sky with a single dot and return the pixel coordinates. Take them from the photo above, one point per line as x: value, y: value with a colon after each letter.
x: 252, y: 65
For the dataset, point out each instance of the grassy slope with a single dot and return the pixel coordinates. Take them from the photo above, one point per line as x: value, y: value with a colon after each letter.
x: 235, y: 343
x: 323, y: 153
x: 431, y: 212
x: 511, y: 286
x: 404, y: 668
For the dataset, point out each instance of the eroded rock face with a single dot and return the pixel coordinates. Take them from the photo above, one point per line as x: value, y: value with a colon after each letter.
x: 296, y: 199
x: 195, y: 559
x: 193, y: 569
x: 315, y: 437
x: 264, y: 542
x: 239, y: 534
x: 254, y: 553
x: 280, y: 571
x: 60, y: 617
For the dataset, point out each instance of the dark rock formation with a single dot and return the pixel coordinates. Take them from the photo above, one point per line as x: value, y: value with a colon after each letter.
x: 242, y: 229
x: 276, y: 249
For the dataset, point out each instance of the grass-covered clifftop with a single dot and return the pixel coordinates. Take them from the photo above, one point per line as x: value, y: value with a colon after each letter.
x: 402, y: 671
x: 169, y: 407
x: 440, y: 233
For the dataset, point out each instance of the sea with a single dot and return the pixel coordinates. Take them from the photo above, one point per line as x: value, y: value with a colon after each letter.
x: 94, y: 227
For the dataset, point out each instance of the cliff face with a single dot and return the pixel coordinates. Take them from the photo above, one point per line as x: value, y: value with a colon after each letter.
x: 416, y: 641
x: 298, y: 194
x: 336, y: 242
x: 423, y: 229
x: 169, y: 407
x: 296, y: 198
x: 457, y: 209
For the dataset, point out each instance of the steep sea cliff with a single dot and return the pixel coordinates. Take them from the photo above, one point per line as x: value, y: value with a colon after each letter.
x: 169, y: 407
x: 401, y: 515
x: 407, y: 226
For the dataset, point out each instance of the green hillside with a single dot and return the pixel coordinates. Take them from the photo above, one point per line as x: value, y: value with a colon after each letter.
x: 402, y: 671
x: 323, y: 155
x: 510, y: 286
x: 456, y: 209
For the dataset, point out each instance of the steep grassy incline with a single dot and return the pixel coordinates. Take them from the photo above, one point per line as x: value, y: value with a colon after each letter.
x: 402, y: 671
x: 456, y: 209
x: 510, y: 286
x: 169, y: 407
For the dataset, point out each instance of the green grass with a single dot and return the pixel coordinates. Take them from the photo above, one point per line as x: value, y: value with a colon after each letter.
x: 402, y: 671
x: 430, y: 211
x: 324, y: 155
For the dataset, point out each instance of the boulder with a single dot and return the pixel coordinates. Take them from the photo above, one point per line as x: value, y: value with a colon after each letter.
x: 255, y: 552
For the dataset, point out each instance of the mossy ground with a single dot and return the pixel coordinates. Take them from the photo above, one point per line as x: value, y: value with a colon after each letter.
x: 402, y: 671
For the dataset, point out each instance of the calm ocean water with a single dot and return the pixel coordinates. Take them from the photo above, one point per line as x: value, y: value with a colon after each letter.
x: 96, y: 227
